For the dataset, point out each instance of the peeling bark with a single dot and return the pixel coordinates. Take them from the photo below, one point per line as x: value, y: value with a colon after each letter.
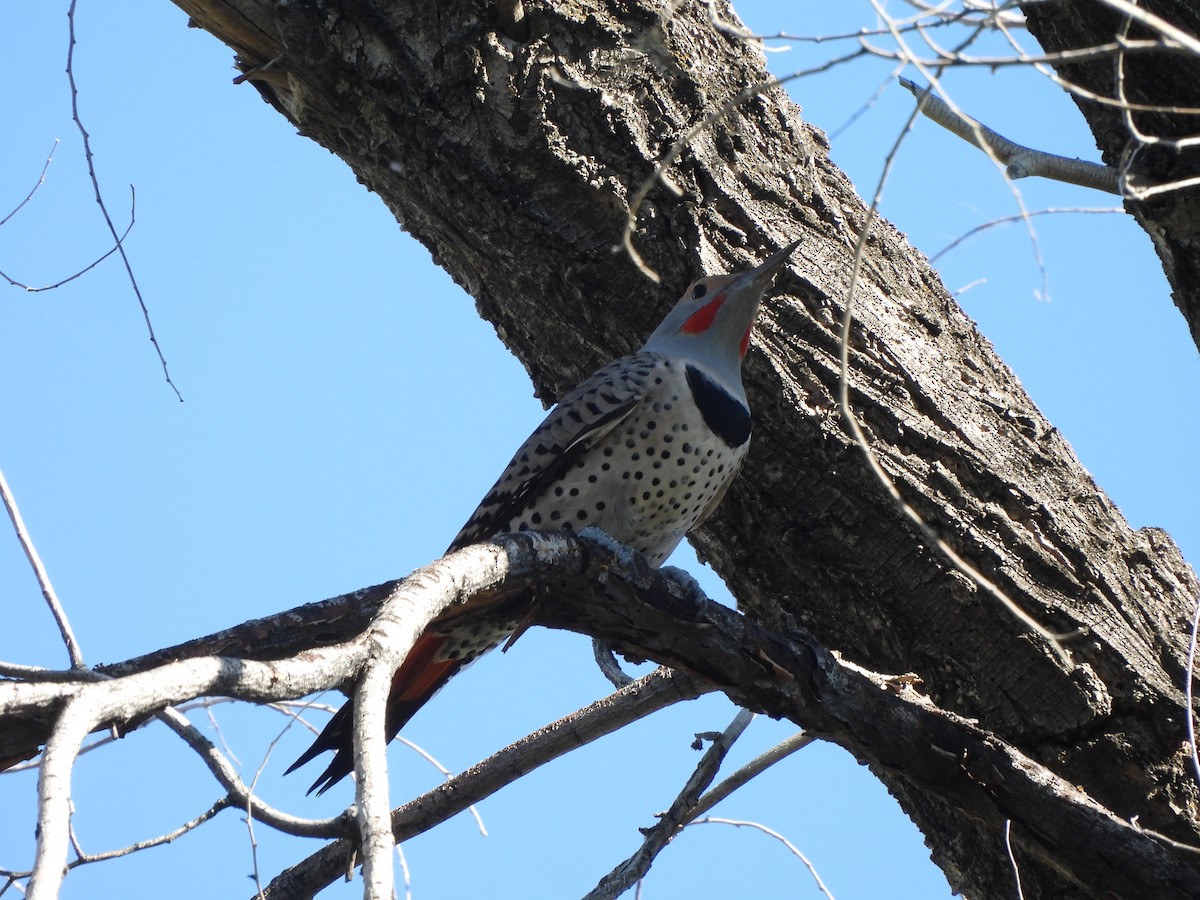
x: 513, y: 161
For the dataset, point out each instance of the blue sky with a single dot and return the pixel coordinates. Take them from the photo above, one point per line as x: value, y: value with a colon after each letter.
x: 346, y: 409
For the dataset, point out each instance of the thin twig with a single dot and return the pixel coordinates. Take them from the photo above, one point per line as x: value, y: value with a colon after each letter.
x: 629, y: 872
x: 738, y: 823
x: 83, y: 859
x: 868, y: 104
x: 915, y: 24
x: 254, y: 872
x: 933, y: 75
x: 447, y: 774
x: 405, y: 875
x: 752, y: 769
x: 1156, y: 23
x: 952, y: 59
x: 1019, y: 217
x: 1187, y: 691
x: 88, y: 155
x: 33, y: 190
x: 43, y: 578
x: 1012, y: 859
x: 242, y: 796
x: 30, y: 289
x: 38, y: 674
x: 1134, y: 187
x: 1079, y: 91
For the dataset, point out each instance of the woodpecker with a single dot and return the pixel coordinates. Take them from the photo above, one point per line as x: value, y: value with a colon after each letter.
x: 644, y: 450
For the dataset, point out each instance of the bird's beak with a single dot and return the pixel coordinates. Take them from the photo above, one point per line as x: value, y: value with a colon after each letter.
x: 765, y: 273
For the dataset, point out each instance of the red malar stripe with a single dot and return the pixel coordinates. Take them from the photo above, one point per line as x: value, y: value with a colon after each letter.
x: 701, y: 320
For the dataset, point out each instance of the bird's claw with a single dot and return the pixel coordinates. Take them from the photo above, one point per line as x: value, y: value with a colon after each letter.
x: 629, y: 558
x: 691, y: 590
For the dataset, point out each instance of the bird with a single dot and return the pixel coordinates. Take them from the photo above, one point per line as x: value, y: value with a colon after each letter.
x: 643, y: 450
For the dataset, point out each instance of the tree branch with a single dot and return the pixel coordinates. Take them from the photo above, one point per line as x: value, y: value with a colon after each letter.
x: 528, y: 152
x: 636, y: 700
x: 1018, y: 161
x: 812, y: 870
x: 240, y: 796
x: 1138, y: 108
x: 632, y: 870
x: 371, y: 784
x: 118, y: 244
x: 752, y: 769
x: 39, y: 572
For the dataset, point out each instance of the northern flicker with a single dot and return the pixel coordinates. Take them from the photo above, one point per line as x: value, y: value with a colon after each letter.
x: 644, y: 450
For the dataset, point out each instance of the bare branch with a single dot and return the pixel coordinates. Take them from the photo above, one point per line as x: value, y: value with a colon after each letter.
x: 39, y: 572
x: 954, y: 59
x: 242, y: 797
x: 83, y: 859
x: 659, y: 689
x: 877, y: 717
x: 30, y: 289
x: 1022, y: 216
x: 752, y: 769
x: 1019, y: 161
x: 675, y: 818
x: 1188, y: 682
x: 87, y: 152
x: 1011, y: 858
x: 33, y: 190
x: 371, y: 786
x: 54, y: 797
x: 812, y: 870
x: 1156, y: 23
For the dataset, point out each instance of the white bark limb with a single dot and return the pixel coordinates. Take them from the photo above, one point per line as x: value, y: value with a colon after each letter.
x: 54, y: 798
x: 371, y: 788
x: 1019, y: 161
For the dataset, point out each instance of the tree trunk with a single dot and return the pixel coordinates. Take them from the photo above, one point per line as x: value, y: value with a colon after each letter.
x: 511, y: 148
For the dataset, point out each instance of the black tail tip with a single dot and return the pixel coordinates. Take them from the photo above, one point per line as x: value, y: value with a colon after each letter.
x: 338, y: 768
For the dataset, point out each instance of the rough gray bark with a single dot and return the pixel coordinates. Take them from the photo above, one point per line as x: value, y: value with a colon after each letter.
x: 511, y: 150
x: 1166, y: 82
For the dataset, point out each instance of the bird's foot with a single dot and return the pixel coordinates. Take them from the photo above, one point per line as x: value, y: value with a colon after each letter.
x: 607, y: 660
x: 627, y: 557
x: 691, y: 590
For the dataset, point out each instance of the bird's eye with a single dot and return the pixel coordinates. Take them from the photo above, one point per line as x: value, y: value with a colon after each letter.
x: 699, y: 291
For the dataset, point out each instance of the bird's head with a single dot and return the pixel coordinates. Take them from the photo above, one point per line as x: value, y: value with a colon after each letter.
x: 712, y: 321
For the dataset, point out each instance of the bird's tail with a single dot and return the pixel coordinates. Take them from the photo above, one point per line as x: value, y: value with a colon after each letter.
x: 420, y: 676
